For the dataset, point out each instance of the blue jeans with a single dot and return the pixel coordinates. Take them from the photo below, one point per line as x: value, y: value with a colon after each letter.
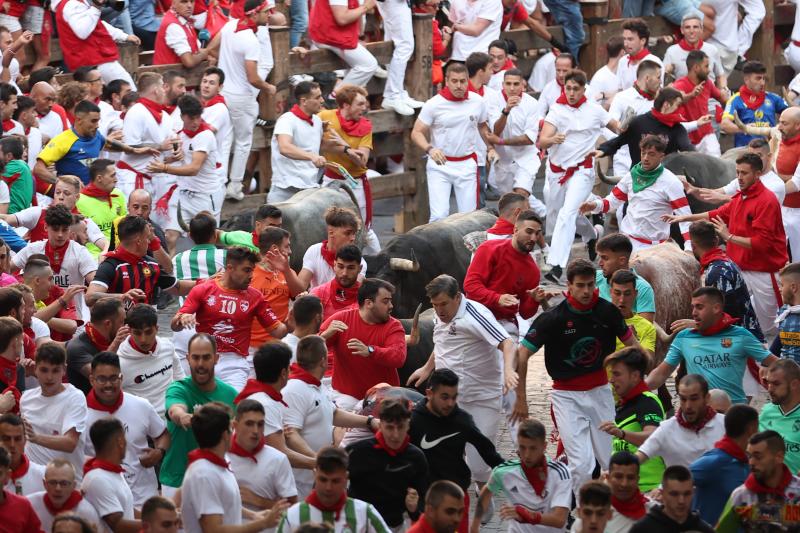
x: 118, y: 19
x: 299, y: 23
x: 638, y: 8
x: 568, y: 15
x: 675, y: 10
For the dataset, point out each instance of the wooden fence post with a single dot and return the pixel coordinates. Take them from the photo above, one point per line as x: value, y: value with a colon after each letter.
x: 763, y: 47
x: 595, y: 15
x: 129, y: 57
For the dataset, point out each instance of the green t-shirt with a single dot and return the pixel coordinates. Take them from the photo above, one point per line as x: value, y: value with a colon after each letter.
x: 186, y: 392
x: 100, y: 212
x: 238, y: 238
x: 788, y: 425
x: 20, y: 188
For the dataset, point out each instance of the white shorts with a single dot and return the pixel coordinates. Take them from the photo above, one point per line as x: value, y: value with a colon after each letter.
x: 191, y: 203
x: 764, y: 295
x: 233, y: 369
x: 33, y: 18
x: 12, y: 23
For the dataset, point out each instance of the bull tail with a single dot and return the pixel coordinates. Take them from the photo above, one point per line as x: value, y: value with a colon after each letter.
x: 412, y: 339
x: 349, y: 192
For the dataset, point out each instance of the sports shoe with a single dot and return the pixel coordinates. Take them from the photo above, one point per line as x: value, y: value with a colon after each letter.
x: 412, y: 103
x: 234, y: 191
x: 381, y: 73
x: 398, y: 106
x: 297, y: 79
x: 591, y: 246
x: 554, y: 276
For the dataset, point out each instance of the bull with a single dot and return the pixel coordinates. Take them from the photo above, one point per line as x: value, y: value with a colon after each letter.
x: 418, y: 350
x: 439, y: 244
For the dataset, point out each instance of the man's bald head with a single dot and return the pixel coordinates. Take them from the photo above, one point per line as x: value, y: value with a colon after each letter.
x: 140, y: 203
x: 789, y: 122
x: 44, y: 96
x: 42, y: 87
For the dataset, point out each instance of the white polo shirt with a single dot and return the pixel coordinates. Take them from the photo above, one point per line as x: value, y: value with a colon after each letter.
x: 139, y: 127
x: 109, y: 118
x: 29, y: 483
x: 581, y: 126
x: 675, y: 55
x: 209, y: 489
x: 269, y: 476
x: 467, y: 345
x: 287, y: 172
x: 274, y: 412
x: 467, y: 12
x: 140, y: 421
x: 109, y: 494
x: 321, y: 271
x: 35, y: 145
x: 56, y: 415
x: 265, y: 58
x: 28, y: 218
x: 84, y: 509
x: 521, y: 120
x: 677, y: 445
x: 454, y: 125
x: 208, y: 178
x: 149, y: 375
x: 236, y: 48
x: 626, y: 70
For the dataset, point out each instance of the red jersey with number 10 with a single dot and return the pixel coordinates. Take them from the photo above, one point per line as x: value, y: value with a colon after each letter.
x: 228, y: 314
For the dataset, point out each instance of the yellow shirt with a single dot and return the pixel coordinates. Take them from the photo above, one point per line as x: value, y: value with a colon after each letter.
x: 645, y: 331
x: 355, y: 170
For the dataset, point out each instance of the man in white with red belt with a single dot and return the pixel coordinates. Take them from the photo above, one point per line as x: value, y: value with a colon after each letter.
x: 218, y: 117
x: 451, y: 119
x: 569, y: 133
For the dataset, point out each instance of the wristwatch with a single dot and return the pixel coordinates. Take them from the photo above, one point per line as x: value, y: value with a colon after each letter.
x: 346, y: 149
x: 370, y: 418
x: 371, y: 350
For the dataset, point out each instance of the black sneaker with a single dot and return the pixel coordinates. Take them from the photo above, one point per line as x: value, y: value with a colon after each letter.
x: 591, y: 247
x: 554, y: 276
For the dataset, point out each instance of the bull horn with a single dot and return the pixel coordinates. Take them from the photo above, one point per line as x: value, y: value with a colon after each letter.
x: 406, y: 265
x: 413, y: 336
x: 181, y: 222
x: 608, y: 180
x: 689, y: 179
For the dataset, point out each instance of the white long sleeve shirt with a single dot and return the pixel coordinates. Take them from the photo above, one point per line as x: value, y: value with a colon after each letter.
x: 83, y: 18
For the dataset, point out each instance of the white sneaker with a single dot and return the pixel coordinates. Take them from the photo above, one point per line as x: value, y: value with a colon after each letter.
x: 600, y: 230
x: 234, y: 191
x: 299, y: 78
x: 414, y: 104
x: 398, y: 106
x: 381, y: 73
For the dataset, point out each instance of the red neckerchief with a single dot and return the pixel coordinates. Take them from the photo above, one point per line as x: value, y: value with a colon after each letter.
x: 255, y: 239
x: 55, y: 255
x: 136, y: 347
x: 793, y: 140
x: 471, y: 88
x: 634, y: 393
x: 688, y: 47
x: 700, y: 424
x: 8, y: 371
x: 94, y: 191
x: 505, y: 96
x: 153, y: 107
x: 72, y: 502
x: 669, y: 120
x: 562, y: 99
x: 95, y: 337
x: 501, y: 227
x: 508, y: 65
x: 447, y: 94
x: 94, y: 463
x: 724, y: 322
x: 247, y: 24
x: 236, y: 449
x: 22, y: 469
x: 354, y: 128
x: 203, y: 127
x: 211, y: 457
x: 575, y: 304
x: 14, y: 391
x: 537, y: 476
x: 752, y: 100
x: 754, y: 485
x: 729, y: 446
x: 8, y: 124
x: 381, y: 445
x: 641, y: 54
x: 646, y: 95
x: 633, y: 508
x: 170, y: 108
x: 219, y: 99
x: 298, y: 372
x: 328, y: 255
x: 422, y: 526
x: 93, y: 403
x: 344, y: 295
x: 336, y: 508
x: 124, y: 255
x: 253, y: 386
x: 717, y: 254
x: 299, y: 113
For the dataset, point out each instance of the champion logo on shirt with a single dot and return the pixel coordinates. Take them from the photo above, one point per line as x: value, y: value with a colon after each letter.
x: 141, y: 378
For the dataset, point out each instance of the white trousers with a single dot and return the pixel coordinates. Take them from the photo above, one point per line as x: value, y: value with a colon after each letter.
x: 362, y: 64
x: 218, y: 197
x: 709, y: 145
x: 458, y: 176
x: 233, y: 369
x: 792, y: 55
x: 764, y: 292
x: 244, y: 112
x: 126, y: 182
x: 754, y: 14
x: 373, y: 245
x: 397, y: 28
x: 509, y: 175
x: 578, y: 416
x: 563, y: 202
x: 791, y: 224
x: 486, y: 414
x: 114, y: 71
x: 191, y: 203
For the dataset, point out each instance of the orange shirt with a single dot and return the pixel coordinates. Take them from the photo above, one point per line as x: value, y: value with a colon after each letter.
x: 273, y: 287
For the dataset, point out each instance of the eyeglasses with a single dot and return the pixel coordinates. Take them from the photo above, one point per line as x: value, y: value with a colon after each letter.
x: 58, y: 483
x: 104, y: 380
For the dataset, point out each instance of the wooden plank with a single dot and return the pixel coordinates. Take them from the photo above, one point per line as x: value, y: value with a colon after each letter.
x: 525, y: 39
x: 763, y: 47
x: 393, y: 185
x: 327, y: 61
x: 384, y: 120
x: 783, y: 75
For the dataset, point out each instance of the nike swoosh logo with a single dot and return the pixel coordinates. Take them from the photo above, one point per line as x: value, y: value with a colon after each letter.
x: 397, y: 468
x: 426, y: 444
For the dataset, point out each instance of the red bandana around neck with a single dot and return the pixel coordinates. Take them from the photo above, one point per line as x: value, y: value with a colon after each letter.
x: 253, y: 386
x: 638, y: 56
x: 71, y: 503
x: 471, y: 88
x: 634, y: 508
x: 94, y: 191
x: 724, y: 322
x: 8, y: 125
x: 354, y: 128
x: 170, y: 108
x: 645, y: 94
x: 669, y: 120
x: 236, y: 449
x: 124, y: 255
x: 94, y: 463
x: 153, y: 107
x: 634, y: 393
x: 381, y: 445
x: 219, y: 99
x: 791, y: 141
x: 247, y: 24
x: 344, y: 296
x: 313, y: 500
x: 562, y: 99
x: 98, y: 339
x: 501, y: 227
x: 447, y: 94
x: 328, y: 255
x: 508, y: 65
x: 211, y: 457
x: 22, y: 469
x: 537, y: 476
x: 203, y: 127
x: 754, y: 485
x: 729, y: 446
x: 688, y: 47
x: 93, y: 403
x: 575, y: 304
x: 700, y: 424
x: 300, y: 373
x: 55, y: 255
x: 299, y: 113
x: 752, y: 100
x: 136, y: 347
x: 717, y: 254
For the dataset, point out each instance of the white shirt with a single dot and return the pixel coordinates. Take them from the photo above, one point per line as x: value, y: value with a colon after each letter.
x: 56, y: 415
x: 29, y: 483
x: 544, y: 71
x: 149, y: 375
x: 581, y: 126
x: 467, y: 345
x: 16, y: 129
x: 28, y: 218
x: 274, y: 412
x: 139, y: 127
x: 467, y: 12
x: 626, y: 70
x: 51, y: 124
x: 496, y: 81
x: 140, y: 421
x: 108, y: 493
x: 677, y: 445
x: 5, y: 194
x: 208, y: 178
x: 270, y: 476
x: 109, y: 118
x: 83, y: 18
x: 235, y: 49
x: 84, y: 509
x: 219, y: 118
x: 675, y: 55
x: 291, y: 341
x: 454, y: 125
x: 175, y: 38
x: 796, y: 27
x: 265, y: 59
x: 480, y: 146
x: 35, y: 145
x: 521, y: 120
x: 605, y: 83
x: 552, y: 90
x: 321, y: 271
x: 771, y: 181
x: 209, y: 489
x: 287, y: 172
x: 726, y: 13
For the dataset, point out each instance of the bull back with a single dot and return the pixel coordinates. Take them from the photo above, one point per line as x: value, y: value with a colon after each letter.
x: 705, y: 170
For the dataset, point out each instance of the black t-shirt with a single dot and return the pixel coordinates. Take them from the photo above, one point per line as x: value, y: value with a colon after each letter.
x: 576, y: 342
x: 119, y: 277
x: 80, y: 352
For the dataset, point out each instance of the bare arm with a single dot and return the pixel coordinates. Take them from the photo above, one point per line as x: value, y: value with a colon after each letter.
x: 297, y: 460
x: 287, y: 148
x: 480, y: 508
x: 61, y: 443
x: 728, y: 126
x: 304, y: 278
x: 118, y: 524
x: 344, y: 16
x: 474, y: 28
x: 659, y: 376
x: 198, y: 158
x: 251, y: 68
x: 549, y: 136
x: 41, y: 171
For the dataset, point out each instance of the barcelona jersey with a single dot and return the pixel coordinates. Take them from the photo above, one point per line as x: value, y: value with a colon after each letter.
x: 765, y: 115
x: 72, y: 154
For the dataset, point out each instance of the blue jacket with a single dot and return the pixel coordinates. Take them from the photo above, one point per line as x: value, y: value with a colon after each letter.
x: 716, y: 474
x: 11, y: 237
